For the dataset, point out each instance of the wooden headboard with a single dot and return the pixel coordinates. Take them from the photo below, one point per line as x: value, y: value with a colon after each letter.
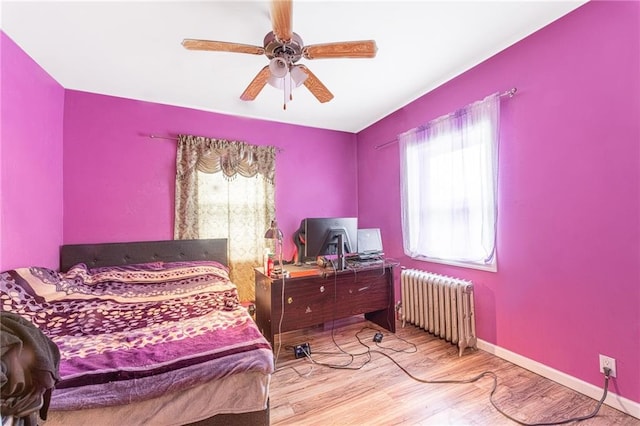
x: 111, y: 254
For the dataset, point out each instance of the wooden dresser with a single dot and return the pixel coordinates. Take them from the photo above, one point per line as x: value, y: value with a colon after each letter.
x: 316, y: 296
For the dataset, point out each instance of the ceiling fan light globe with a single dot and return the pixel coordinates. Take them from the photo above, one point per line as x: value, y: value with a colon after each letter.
x: 278, y: 83
x: 298, y: 76
x: 278, y: 67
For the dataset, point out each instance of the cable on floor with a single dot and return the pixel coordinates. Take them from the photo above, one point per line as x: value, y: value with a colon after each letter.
x: 347, y: 366
x: 413, y: 347
x: 473, y: 379
x: 494, y: 377
x: 279, y: 346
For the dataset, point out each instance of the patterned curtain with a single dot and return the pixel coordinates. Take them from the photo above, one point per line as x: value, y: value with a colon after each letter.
x: 225, y: 189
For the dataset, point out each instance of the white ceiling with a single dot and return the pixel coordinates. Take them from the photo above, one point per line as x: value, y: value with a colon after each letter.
x: 133, y: 50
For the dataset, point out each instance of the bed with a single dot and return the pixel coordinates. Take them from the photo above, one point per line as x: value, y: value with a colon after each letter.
x: 149, y: 333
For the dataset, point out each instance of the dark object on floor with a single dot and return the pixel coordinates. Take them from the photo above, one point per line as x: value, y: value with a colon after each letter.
x: 29, y: 362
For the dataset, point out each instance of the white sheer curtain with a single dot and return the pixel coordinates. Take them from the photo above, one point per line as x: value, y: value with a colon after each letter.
x: 449, y: 178
x: 241, y: 210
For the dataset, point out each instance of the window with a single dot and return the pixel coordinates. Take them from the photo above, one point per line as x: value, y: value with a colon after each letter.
x: 225, y: 189
x: 449, y: 187
x: 239, y: 209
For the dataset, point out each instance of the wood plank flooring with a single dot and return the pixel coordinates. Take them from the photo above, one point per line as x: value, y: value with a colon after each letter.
x: 378, y: 392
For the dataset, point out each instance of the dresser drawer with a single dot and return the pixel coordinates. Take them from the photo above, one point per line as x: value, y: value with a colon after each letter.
x: 305, y: 304
x: 363, y: 292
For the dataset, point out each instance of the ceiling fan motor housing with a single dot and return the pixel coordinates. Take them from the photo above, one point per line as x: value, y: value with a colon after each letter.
x: 290, y: 51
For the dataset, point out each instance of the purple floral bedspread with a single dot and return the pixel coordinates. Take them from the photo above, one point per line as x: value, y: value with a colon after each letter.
x: 134, y: 332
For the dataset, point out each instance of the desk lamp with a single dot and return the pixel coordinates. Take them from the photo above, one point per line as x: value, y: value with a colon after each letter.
x: 274, y: 233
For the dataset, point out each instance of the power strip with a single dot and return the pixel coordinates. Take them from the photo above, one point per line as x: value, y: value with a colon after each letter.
x: 301, y: 351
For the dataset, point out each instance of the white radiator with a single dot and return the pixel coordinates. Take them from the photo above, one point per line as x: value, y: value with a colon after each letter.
x: 441, y: 305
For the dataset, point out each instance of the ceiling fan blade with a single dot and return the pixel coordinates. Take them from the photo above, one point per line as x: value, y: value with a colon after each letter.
x: 221, y: 46
x: 256, y: 85
x: 345, y: 49
x: 315, y: 86
x: 282, y: 19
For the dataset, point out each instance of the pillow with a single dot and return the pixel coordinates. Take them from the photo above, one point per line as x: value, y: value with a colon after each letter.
x: 38, y: 282
x: 31, y: 293
x: 141, y: 273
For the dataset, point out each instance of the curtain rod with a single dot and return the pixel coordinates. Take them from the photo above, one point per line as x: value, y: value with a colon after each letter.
x: 163, y: 137
x: 278, y: 149
x: 507, y: 93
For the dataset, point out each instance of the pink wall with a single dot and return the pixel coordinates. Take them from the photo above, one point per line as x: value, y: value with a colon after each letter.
x: 568, y: 280
x: 569, y: 232
x: 119, y: 183
x: 30, y: 161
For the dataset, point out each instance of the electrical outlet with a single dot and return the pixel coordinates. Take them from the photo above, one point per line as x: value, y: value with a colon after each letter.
x: 609, y: 363
x: 300, y: 351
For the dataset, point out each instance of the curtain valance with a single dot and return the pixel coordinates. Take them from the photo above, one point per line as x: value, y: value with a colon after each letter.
x: 229, y: 157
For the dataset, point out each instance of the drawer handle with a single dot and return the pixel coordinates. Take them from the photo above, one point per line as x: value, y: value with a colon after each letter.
x: 290, y: 300
x: 321, y: 289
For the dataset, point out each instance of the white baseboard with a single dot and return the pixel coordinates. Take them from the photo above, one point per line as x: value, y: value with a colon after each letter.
x: 625, y: 405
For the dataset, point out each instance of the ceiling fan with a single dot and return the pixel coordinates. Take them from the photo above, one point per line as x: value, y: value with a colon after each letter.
x: 284, y: 49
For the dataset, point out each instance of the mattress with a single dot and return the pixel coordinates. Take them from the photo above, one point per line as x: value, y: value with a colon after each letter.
x: 240, y: 393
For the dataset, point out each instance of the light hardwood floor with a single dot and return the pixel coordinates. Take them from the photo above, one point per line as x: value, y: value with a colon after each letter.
x: 380, y: 393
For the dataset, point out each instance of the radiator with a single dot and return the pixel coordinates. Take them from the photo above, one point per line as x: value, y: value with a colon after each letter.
x: 441, y: 305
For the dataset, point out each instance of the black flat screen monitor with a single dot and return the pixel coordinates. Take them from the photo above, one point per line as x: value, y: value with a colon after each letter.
x: 321, y: 236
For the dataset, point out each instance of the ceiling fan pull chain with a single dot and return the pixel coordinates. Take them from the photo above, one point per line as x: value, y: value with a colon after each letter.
x: 290, y: 85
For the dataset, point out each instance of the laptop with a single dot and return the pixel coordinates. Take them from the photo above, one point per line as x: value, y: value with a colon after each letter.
x: 369, y: 244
